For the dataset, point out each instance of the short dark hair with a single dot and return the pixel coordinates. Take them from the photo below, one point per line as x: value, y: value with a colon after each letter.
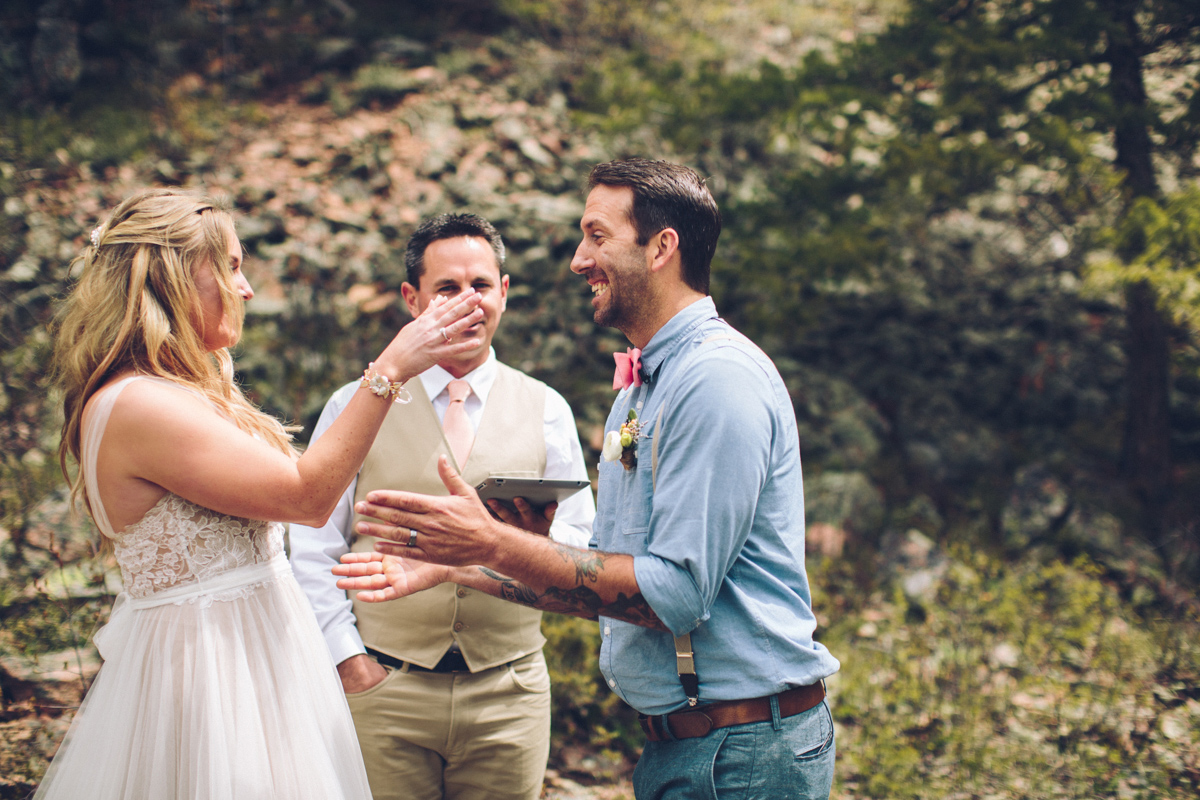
x: 448, y: 226
x: 667, y: 195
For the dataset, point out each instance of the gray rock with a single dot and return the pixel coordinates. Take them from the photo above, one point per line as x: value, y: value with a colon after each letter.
x: 917, y: 563
x: 24, y: 270
x: 335, y: 50
x: 260, y: 227
x: 42, y: 238
x: 921, y: 585
x: 564, y: 209
x: 434, y: 124
x: 533, y: 150
x: 1004, y: 655
x: 397, y: 48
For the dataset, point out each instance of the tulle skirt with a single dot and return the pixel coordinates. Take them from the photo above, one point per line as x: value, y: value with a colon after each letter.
x: 223, y: 692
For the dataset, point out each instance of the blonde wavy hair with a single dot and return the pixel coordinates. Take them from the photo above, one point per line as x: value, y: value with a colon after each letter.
x: 135, y: 307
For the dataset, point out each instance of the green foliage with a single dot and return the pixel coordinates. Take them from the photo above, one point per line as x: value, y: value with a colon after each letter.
x: 1027, y: 680
x: 1158, y: 243
x: 114, y: 135
x: 383, y: 82
x: 912, y: 214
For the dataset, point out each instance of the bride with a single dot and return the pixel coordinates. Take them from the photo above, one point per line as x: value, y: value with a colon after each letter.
x: 216, y: 682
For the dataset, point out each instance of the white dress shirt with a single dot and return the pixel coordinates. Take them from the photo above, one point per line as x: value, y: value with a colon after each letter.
x: 314, y: 551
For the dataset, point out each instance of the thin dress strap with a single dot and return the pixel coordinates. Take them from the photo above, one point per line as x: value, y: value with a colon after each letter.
x: 93, y: 433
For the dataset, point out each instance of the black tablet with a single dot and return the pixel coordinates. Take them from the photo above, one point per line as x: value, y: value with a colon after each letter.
x: 536, y: 491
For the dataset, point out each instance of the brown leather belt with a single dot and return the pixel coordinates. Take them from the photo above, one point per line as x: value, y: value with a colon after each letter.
x: 702, y: 719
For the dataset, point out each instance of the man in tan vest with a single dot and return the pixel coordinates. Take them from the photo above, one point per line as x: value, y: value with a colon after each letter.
x: 449, y: 688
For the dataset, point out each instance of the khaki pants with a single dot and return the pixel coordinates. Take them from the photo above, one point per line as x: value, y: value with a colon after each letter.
x: 458, y: 736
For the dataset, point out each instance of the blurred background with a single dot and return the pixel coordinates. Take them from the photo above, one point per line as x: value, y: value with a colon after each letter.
x: 967, y: 231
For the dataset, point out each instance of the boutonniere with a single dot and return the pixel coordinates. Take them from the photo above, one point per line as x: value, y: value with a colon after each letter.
x: 622, y: 444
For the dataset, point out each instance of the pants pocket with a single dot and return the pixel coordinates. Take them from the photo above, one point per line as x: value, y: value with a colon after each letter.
x: 530, y: 674
x: 352, y: 697
x: 814, y: 739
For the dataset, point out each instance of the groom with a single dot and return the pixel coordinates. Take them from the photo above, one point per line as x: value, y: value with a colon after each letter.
x: 696, y: 567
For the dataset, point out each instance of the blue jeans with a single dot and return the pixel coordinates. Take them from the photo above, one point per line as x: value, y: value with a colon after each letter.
x: 780, y: 759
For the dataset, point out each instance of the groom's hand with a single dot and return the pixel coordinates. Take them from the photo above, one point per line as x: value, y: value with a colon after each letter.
x: 359, y: 673
x: 457, y: 530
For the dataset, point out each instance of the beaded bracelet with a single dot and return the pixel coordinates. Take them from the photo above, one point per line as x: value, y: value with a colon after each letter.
x: 381, y: 386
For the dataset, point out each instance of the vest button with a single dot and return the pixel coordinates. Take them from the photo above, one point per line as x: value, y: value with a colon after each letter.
x: 462, y: 592
x: 458, y: 626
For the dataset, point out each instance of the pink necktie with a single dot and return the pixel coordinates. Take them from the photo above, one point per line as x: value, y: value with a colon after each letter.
x: 629, y: 365
x: 455, y: 424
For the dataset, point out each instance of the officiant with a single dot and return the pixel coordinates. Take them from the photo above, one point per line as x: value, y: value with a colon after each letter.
x: 449, y: 691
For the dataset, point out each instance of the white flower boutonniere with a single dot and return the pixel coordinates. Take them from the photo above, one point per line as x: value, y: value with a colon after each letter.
x: 612, y: 446
x: 622, y: 444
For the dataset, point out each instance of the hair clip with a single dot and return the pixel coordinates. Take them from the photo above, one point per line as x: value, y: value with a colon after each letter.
x: 96, y: 233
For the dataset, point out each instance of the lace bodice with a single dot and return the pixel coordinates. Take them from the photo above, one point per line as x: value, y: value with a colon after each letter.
x: 177, y: 542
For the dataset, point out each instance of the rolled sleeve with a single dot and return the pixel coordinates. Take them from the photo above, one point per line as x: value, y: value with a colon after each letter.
x: 718, y: 414
x: 314, y: 552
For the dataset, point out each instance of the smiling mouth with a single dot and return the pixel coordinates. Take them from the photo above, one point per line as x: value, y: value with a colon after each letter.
x: 599, y: 289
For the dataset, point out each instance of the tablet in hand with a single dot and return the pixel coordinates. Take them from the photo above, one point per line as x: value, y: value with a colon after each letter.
x: 538, y: 492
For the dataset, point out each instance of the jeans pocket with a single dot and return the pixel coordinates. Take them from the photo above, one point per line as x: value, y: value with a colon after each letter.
x: 814, y: 739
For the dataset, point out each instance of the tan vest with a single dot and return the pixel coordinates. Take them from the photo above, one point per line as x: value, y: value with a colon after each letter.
x: 510, y: 441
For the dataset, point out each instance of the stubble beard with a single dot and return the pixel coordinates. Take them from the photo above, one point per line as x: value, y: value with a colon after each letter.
x: 630, y: 297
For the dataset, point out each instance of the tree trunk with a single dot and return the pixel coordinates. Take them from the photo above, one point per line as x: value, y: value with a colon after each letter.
x: 1146, y: 449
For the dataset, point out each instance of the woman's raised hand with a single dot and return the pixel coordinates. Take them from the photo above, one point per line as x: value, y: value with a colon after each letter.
x: 429, y: 338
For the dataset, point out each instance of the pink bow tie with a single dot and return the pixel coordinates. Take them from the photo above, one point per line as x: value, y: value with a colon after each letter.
x: 629, y: 365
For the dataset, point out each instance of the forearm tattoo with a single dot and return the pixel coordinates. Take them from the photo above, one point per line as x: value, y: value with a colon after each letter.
x: 514, y: 591
x: 579, y: 600
x: 587, y: 563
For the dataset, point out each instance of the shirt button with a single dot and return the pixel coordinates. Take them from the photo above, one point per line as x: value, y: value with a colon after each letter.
x: 612, y: 684
x: 458, y: 626
x: 462, y: 592
x: 607, y: 630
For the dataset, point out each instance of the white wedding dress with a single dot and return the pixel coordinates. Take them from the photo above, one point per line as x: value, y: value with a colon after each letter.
x: 216, y: 683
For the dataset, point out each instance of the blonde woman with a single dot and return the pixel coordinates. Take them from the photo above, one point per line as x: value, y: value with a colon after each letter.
x: 216, y: 682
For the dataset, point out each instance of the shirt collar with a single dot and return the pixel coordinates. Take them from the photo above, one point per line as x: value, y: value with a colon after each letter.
x: 435, y: 379
x: 669, y: 336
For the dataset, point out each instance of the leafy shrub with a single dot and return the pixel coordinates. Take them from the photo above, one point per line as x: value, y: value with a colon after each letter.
x: 1030, y: 680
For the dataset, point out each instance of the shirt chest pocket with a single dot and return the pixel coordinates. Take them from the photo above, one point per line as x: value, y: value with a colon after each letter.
x: 636, y: 499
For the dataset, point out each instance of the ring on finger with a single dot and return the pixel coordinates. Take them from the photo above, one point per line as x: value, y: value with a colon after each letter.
x: 412, y: 538
x: 445, y: 335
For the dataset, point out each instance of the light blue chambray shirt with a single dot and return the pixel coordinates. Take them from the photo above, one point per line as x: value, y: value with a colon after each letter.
x: 718, y: 543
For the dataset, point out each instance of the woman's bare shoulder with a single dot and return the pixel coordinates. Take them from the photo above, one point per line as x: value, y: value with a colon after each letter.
x: 151, y: 402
